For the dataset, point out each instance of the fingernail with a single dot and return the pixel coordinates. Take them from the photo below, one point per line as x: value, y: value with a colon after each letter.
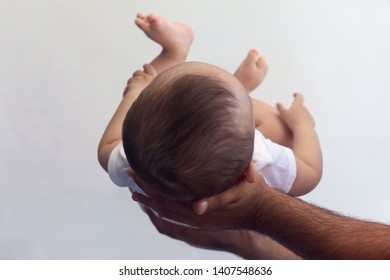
x: 202, y: 207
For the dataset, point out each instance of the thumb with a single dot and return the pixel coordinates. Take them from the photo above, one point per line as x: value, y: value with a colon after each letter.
x: 218, y: 201
x: 149, y: 69
x: 201, y: 206
x: 281, y: 108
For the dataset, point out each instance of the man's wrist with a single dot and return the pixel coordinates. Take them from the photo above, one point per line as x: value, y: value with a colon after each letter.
x: 259, y: 206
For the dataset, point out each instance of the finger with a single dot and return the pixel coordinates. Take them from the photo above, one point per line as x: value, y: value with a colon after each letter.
x: 298, y: 101
x: 137, y: 73
x: 157, y: 222
x: 164, y: 206
x: 218, y: 201
x: 147, y: 201
x: 149, y: 69
x: 164, y: 227
x: 185, y: 215
x: 139, y: 182
x: 142, y: 22
x: 141, y: 15
x: 144, y: 186
x: 148, y: 190
x: 281, y: 108
x: 298, y: 98
x: 175, y: 210
x: 185, y: 234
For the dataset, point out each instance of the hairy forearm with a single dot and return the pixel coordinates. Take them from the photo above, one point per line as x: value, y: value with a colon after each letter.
x: 315, y: 233
x: 264, y: 248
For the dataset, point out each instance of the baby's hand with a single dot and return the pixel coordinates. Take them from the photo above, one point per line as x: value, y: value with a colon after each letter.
x: 140, y: 79
x: 297, y: 114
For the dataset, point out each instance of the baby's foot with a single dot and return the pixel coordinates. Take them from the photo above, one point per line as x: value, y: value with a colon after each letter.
x: 175, y: 38
x: 252, y: 71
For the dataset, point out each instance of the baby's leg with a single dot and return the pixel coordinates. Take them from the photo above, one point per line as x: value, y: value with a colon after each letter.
x: 251, y: 73
x: 174, y: 38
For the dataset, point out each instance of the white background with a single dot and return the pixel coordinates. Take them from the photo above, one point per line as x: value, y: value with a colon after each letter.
x: 64, y: 64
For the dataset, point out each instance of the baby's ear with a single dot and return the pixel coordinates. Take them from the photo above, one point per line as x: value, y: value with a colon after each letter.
x: 250, y: 173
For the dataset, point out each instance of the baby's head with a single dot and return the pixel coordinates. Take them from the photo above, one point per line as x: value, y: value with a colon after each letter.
x: 190, y: 133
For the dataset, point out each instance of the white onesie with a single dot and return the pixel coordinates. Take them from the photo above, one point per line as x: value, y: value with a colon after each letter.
x: 275, y: 162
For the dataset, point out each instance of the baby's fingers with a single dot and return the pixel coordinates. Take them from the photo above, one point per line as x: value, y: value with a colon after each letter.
x: 137, y: 73
x: 149, y: 69
x: 298, y: 99
x: 281, y: 108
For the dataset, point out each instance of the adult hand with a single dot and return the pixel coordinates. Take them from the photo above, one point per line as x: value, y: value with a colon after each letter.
x: 221, y: 240
x: 228, y: 210
x: 244, y: 243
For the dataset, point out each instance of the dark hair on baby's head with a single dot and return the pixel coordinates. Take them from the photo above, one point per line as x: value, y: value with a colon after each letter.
x: 189, y: 138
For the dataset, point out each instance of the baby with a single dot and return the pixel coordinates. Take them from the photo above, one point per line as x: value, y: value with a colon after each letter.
x: 190, y: 130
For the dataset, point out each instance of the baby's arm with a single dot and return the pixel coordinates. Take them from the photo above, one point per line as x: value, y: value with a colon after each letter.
x: 305, y: 146
x: 113, y: 133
